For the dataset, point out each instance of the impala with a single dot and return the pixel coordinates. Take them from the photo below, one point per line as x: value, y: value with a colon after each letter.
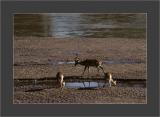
x: 108, y: 78
x: 60, y: 79
x: 89, y: 63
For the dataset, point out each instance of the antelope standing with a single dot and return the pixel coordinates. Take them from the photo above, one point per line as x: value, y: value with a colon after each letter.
x: 88, y: 63
x: 108, y: 78
x: 60, y: 79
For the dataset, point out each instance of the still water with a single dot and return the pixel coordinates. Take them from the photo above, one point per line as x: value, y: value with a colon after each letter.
x: 71, y: 25
x: 103, y: 84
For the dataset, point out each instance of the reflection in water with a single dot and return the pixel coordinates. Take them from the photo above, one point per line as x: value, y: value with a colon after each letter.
x: 84, y: 84
x: 103, y: 84
x: 66, y: 25
x: 61, y: 25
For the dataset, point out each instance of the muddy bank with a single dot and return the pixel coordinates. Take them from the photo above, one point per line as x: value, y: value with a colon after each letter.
x: 99, y: 96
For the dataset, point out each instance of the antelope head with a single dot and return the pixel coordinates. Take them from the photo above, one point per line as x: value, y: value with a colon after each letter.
x: 76, y: 60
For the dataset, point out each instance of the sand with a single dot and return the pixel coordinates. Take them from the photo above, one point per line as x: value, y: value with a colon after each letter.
x: 113, y: 95
x: 37, y: 57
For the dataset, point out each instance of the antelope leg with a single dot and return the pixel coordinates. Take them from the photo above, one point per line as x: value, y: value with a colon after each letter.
x: 105, y: 83
x: 102, y: 68
x: 88, y: 71
x: 84, y: 70
x: 110, y: 83
x: 84, y: 84
x: 98, y: 71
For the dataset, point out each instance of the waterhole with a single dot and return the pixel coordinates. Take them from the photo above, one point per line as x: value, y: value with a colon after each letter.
x: 38, y: 85
x: 94, y: 84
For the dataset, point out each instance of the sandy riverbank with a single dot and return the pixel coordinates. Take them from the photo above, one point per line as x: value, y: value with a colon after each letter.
x: 38, y: 57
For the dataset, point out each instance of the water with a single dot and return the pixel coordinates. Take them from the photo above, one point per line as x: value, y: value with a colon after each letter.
x: 79, y: 84
x: 84, y: 84
x: 92, y: 84
x: 71, y: 25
